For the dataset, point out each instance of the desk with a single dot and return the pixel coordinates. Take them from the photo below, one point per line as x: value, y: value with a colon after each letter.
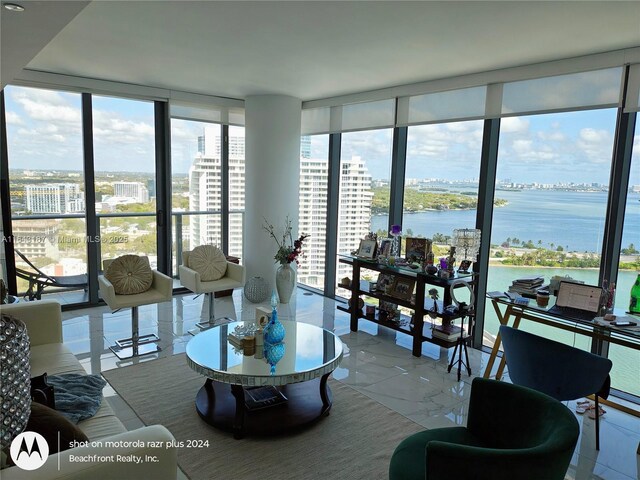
x: 626, y: 337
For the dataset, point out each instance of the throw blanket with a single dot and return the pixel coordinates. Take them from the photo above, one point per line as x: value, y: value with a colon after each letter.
x: 78, y: 397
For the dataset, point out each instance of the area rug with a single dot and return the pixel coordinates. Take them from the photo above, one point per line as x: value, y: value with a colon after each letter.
x: 354, y: 442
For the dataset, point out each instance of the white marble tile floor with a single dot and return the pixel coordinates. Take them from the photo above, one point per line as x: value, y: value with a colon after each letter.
x: 377, y: 362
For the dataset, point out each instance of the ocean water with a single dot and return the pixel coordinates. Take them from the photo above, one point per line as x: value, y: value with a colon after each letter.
x: 573, y: 220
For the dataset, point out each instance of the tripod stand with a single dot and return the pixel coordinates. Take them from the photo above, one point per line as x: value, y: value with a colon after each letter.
x: 461, y: 345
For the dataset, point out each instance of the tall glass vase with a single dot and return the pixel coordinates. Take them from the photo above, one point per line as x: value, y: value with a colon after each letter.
x: 285, y: 282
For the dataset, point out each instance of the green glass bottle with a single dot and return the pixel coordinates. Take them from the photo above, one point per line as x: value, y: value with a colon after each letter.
x: 634, y: 302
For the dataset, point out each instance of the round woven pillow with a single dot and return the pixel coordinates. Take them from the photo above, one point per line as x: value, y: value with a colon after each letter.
x: 130, y: 274
x: 209, y: 261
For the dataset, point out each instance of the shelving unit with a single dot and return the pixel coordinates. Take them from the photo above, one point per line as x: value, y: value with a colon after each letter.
x: 414, y: 325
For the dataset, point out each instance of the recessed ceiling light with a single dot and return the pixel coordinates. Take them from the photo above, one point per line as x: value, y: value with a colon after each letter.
x: 13, y: 7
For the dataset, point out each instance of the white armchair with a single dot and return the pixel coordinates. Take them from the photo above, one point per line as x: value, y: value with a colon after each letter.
x: 189, y: 278
x: 161, y: 291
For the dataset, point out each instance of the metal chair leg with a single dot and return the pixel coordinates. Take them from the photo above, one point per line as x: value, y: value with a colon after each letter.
x: 212, y: 313
x: 135, y: 345
x: 597, y: 424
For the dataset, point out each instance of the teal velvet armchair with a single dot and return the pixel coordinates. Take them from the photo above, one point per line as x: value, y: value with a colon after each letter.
x: 512, y: 432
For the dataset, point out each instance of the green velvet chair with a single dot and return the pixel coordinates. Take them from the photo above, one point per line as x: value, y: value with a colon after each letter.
x: 513, y: 432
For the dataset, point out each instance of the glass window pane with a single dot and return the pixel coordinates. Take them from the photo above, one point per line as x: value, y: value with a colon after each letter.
x: 365, y: 175
x: 44, y: 129
x: 553, y: 172
x: 236, y: 190
x: 625, y: 361
x: 44, y: 148
x: 124, y: 159
x: 441, y: 181
x: 314, y: 182
x: 196, y: 160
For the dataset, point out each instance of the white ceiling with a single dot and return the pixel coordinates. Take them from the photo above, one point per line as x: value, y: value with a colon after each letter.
x: 314, y: 50
x: 24, y: 34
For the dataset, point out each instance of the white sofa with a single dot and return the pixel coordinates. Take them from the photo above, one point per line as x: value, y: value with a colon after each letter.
x: 48, y: 354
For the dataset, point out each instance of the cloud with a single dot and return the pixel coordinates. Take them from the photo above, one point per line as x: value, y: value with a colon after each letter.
x: 49, y: 106
x: 551, y: 136
x: 13, y: 118
x: 596, y: 145
x: 514, y: 125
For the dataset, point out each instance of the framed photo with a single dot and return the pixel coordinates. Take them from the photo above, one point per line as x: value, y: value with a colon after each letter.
x: 387, y: 311
x: 385, y: 247
x: 385, y: 280
x: 465, y: 265
x: 415, y: 249
x: 403, y: 288
x: 367, y: 248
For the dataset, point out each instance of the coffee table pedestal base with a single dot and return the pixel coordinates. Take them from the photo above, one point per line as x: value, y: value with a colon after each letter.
x: 222, y: 406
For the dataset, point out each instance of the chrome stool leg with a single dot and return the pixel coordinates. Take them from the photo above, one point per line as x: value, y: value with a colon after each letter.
x: 135, y: 345
x: 213, y: 321
x: 212, y: 314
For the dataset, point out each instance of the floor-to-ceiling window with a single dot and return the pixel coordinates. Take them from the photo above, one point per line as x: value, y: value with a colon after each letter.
x: 441, y: 180
x: 624, y: 374
x: 314, y: 185
x: 196, y: 178
x: 197, y: 181
x: 44, y: 148
x: 235, y: 228
x: 365, y: 176
x: 553, y: 173
x: 125, y: 179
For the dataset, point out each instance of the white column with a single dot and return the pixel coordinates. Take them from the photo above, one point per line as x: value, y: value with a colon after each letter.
x: 272, y: 177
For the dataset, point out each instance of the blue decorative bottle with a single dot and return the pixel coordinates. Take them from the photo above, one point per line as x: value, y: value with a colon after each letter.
x: 274, y: 331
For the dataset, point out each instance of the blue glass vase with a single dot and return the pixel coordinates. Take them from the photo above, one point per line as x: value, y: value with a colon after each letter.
x: 274, y: 331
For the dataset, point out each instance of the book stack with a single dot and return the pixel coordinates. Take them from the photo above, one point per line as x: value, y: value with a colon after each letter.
x: 526, y: 286
x: 447, y: 332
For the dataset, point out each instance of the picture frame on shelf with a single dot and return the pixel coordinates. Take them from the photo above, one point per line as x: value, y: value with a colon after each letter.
x: 367, y: 248
x: 415, y: 249
x: 384, y: 280
x: 403, y: 288
x: 387, y: 310
x: 385, y: 247
x: 465, y: 266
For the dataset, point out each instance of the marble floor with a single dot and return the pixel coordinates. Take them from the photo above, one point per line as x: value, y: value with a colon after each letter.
x: 377, y: 362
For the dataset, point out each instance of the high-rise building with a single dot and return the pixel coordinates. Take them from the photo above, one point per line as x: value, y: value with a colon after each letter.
x: 355, y: 213
x: 205, y: 191
x: 54, y: 198
x: 134, y: 190
x: 312, y: 220
x: 37, y: 238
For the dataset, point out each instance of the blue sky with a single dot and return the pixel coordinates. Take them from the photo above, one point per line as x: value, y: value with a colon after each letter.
x: 44, y: 130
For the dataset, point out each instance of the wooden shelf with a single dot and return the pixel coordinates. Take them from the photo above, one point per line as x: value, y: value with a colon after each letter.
x: 420, y: 306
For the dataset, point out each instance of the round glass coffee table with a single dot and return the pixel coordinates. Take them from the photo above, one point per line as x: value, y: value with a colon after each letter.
x: 245, y: 395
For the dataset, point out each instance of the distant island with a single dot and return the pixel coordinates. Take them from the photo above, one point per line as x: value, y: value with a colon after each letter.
x: 417, y: 201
